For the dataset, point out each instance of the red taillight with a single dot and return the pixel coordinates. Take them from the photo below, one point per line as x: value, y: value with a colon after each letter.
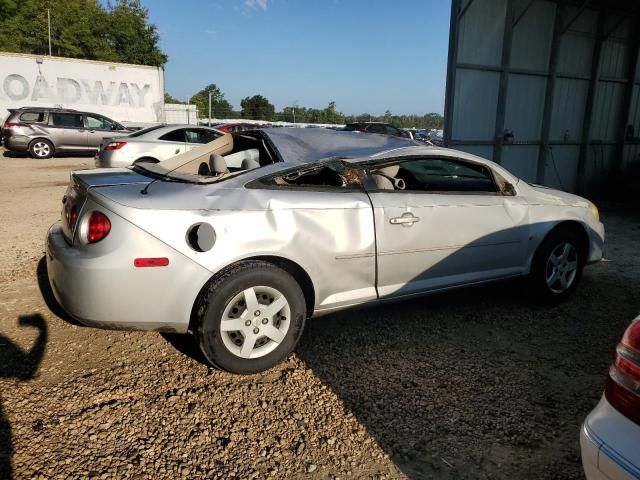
x: 71, y: 212
x: 115, y: 145
x: 631, y: 338
x: 623, y: 385
x: 98, y: 227
x: 8, y: 125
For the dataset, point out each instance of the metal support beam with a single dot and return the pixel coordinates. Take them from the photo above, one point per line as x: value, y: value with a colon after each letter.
x: 507, y: 41
x: 629, y: 13
x: 523, y: 12
x: 581, y: 9
x: 452, y: 65
x: 549, y: 91
x: 633, y: 55
x: 588, y: 111
x: 462, y: 10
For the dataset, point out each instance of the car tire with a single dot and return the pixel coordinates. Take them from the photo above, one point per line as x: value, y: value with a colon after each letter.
x: 557, y: 266
x: 256, y: 335
x: 41, y: 149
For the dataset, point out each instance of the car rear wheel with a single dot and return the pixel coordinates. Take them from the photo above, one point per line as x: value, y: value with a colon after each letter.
x: 557, y: 266
x: 41, y: 148
x: 250, y: 318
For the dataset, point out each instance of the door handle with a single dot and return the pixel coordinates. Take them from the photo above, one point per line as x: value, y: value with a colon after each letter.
x: 406, y: 220
x: 177, y: 150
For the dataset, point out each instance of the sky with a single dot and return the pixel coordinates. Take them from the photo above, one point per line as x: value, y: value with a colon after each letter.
x: 368, y: 56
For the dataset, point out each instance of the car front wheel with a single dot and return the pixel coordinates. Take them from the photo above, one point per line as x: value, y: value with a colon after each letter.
x: 41, y: 149
x: 250, y: 318
x: 557, y: 266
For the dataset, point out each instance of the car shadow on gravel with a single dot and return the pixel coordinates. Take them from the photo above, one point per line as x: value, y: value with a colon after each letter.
x: 21, y: 365
x: 47, y: 294
x: 475, y: 383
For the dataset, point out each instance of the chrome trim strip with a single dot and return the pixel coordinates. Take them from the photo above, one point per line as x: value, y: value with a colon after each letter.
x: 448, y: 247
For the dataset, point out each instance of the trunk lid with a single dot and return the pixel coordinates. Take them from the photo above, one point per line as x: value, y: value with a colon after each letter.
x: 80, y: 185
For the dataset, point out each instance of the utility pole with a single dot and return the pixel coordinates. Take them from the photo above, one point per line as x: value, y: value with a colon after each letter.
x: 209, y: 108
x: 49, y: 27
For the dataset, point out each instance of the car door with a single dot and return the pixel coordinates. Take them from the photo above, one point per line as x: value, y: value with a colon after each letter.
x: 320, y: 217
x: 67, y: 131
x: 99, y: 129
x: 443, y: 222
x: 171, y: 143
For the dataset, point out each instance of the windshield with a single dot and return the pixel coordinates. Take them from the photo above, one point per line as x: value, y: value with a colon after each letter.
x: 226, y: 156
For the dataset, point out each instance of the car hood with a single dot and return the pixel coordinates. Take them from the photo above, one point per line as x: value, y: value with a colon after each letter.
x: 551, y: 196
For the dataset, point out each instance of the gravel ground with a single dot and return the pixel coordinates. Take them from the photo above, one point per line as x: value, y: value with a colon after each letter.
x: 479, y: 383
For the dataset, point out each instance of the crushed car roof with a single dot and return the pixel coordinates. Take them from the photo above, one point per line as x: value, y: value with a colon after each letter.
x: 302, y: 145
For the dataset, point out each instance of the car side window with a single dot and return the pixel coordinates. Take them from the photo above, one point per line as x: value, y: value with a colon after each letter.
x: 375, y: 128
x: 434, y: 175
x: 336, y: 176
x: 33, y: 117
x: 200, y: 135
x: 98, y: 123
x: 67, y: 120
x: 391, y: 130
x: 174, y: 136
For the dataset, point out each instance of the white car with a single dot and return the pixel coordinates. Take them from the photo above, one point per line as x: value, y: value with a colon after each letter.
x: 153, y: 144
x: 610, y: 436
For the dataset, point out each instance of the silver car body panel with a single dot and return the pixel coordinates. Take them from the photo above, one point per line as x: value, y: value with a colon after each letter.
x: 342, y: 239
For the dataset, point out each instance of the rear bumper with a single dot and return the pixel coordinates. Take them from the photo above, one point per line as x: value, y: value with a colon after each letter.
x: 19, y: 143
x: 609, y: 445
x: 105, y: 290
x: 111, y: 159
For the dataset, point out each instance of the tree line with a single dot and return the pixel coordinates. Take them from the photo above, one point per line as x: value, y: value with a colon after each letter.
x: 257, y: 107
x: 121, y: 32
x: 87, y: 29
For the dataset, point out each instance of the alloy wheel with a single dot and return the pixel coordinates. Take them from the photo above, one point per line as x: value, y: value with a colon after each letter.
x: 562, y: 267
x: 255, y: 322
x: 41, y: 149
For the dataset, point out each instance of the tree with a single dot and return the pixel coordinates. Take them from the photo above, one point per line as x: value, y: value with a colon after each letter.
x: 220, y: 108
x: 85, y: 29
x: 168, y: 98
x: 257, y: 108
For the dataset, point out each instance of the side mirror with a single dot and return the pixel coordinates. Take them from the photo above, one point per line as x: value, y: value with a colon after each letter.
x: 508, y: 190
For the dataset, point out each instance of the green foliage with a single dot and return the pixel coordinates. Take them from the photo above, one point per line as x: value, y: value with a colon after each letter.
x: 220, y: 108
x: 86, y: 29
x: 168, y: 98
x: 257, y: 108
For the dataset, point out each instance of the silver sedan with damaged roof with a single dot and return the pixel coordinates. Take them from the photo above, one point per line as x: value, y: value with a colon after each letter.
x: 239, y: 241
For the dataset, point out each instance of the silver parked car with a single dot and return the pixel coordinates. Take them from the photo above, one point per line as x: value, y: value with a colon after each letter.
x: 42, y: 132
x: 241, y: 240
x: 153, y: 144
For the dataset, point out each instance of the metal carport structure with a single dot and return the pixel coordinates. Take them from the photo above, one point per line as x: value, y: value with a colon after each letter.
x: 549, y: 89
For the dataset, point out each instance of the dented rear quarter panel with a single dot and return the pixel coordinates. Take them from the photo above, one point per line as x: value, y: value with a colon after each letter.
x: 330, y: 236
